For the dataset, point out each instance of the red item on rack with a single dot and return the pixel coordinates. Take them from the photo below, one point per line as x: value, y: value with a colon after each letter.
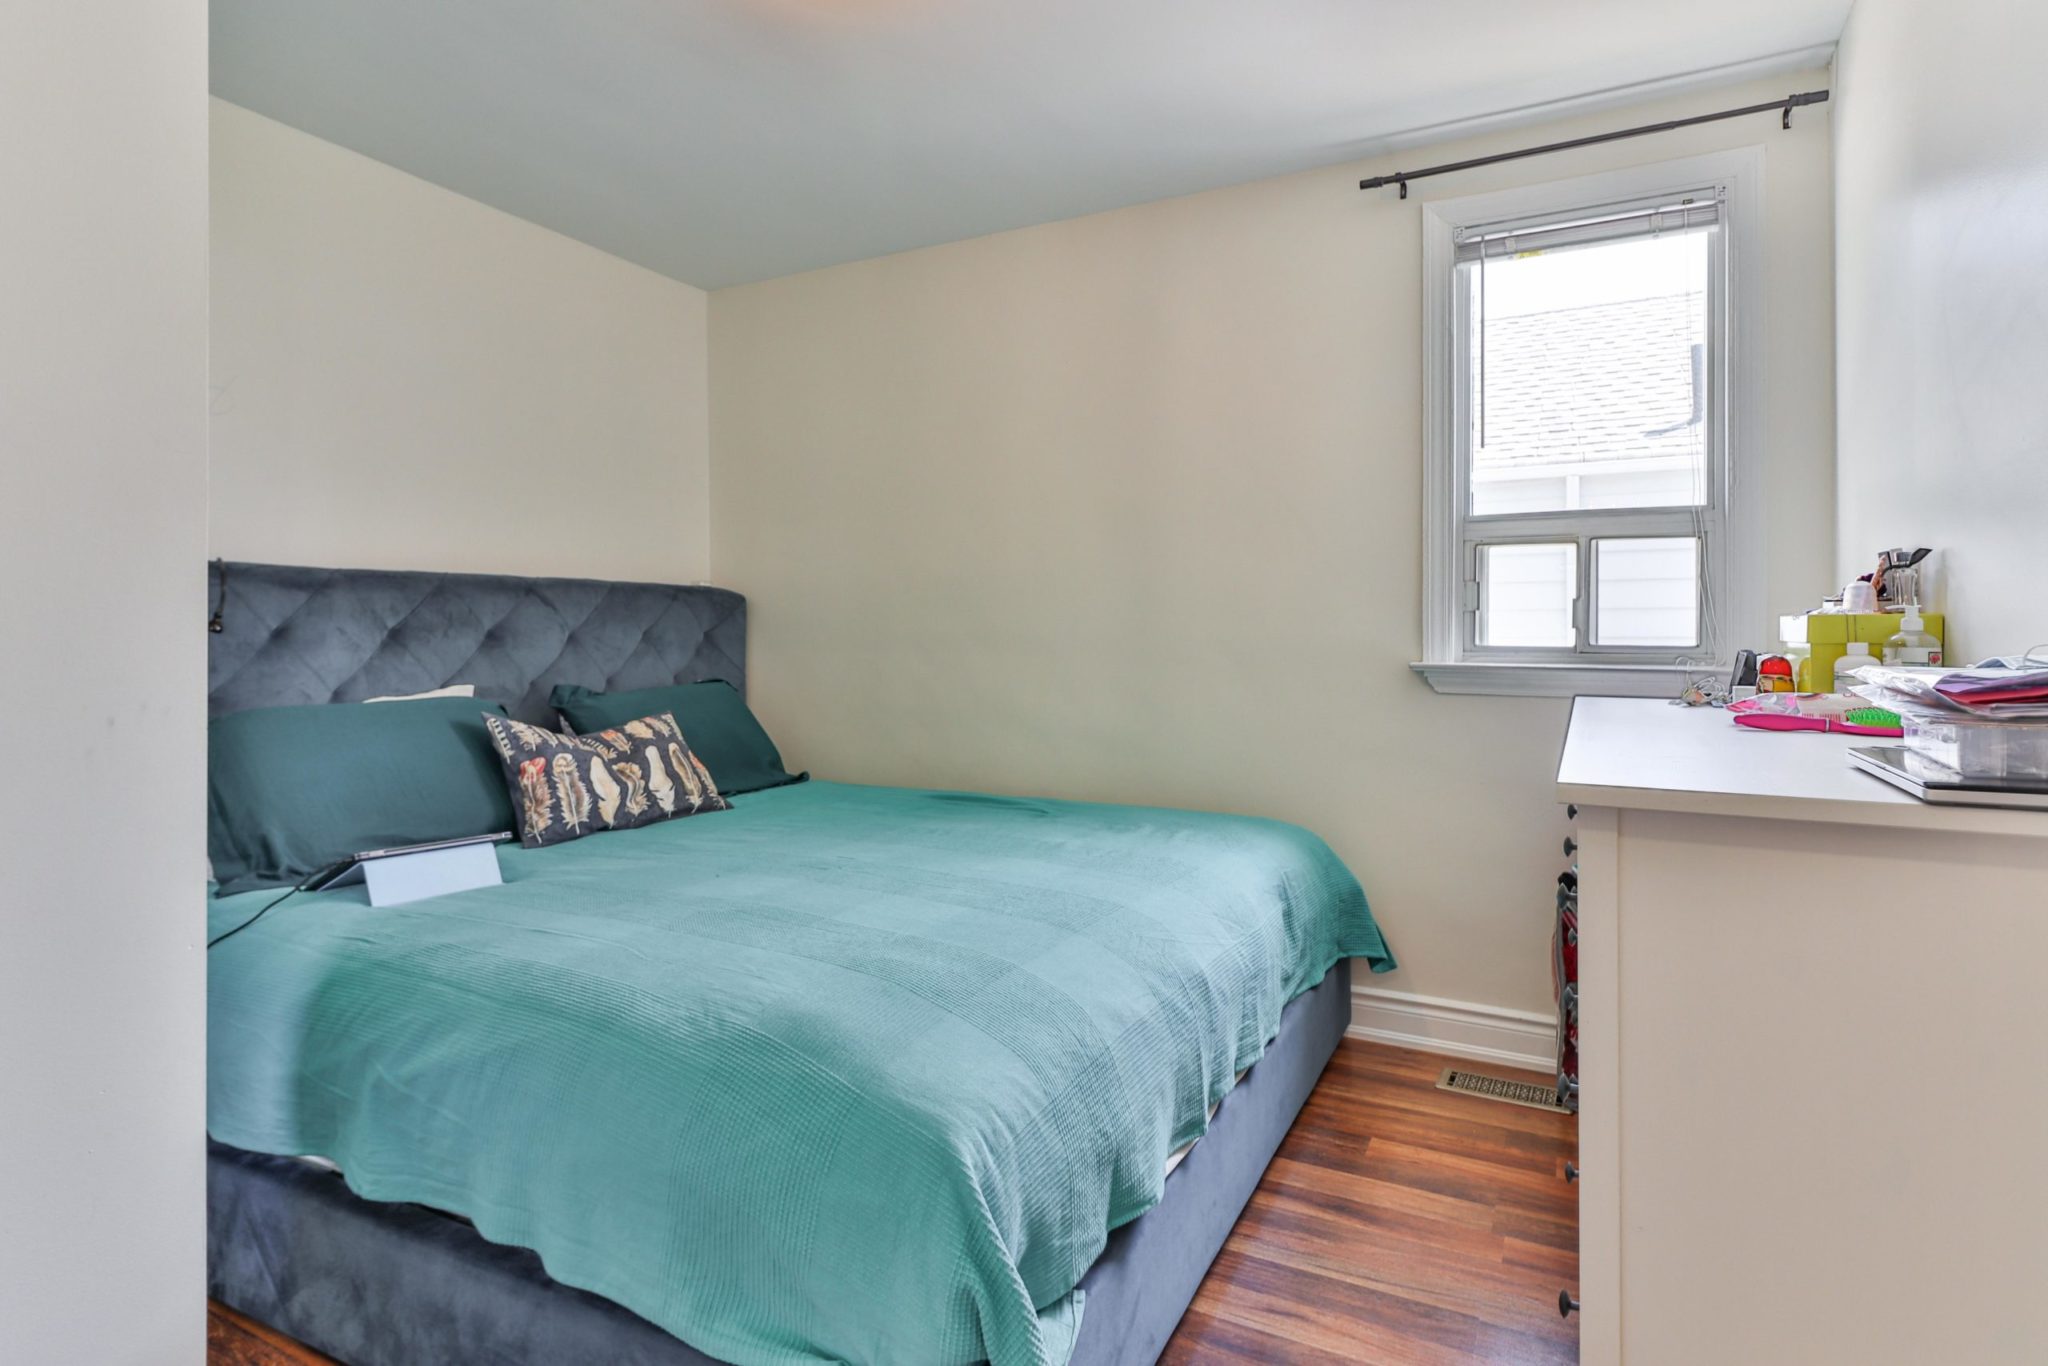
x: 1774, y: 674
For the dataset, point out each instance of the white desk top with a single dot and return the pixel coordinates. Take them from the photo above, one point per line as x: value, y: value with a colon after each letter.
x: 1647, y: 754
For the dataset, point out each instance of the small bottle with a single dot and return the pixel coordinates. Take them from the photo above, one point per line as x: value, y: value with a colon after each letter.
x: 1858, y: 657
x: 1912, y: 645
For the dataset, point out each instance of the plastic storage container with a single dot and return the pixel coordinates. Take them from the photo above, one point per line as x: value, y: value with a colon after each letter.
x: 1815, y: 640
x: 1980, y: 749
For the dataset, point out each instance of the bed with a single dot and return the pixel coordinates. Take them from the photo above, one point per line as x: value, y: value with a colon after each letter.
x: 842, y: 1073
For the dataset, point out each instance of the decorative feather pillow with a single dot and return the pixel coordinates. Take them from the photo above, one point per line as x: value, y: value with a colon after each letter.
x: 567, y: 786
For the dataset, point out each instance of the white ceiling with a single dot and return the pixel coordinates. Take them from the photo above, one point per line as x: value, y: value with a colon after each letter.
x: 721, y: 141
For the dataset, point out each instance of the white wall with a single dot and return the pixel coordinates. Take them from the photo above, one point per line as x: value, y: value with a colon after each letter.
x: 102, y: 530
x: 1941, y: 203
x: 1127, y: 507
x: 405, y: 378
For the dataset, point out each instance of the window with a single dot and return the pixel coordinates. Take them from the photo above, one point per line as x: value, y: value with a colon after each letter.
x: 1586, y: 429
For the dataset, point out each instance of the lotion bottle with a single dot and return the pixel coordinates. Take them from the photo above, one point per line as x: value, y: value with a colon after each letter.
x: 1858, y: 655
x: 1912, y: 645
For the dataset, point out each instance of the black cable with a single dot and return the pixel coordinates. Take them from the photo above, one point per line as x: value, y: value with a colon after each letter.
x: 220, y: 601
x: 311, y: 877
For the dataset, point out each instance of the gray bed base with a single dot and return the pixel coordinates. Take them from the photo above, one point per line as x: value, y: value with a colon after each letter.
x: 400, y: 1285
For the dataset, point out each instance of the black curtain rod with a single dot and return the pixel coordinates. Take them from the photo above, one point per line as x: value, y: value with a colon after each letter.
x: 1788, y: 104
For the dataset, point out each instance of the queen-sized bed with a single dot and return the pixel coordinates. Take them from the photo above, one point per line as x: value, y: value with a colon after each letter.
x: 841, y: 1073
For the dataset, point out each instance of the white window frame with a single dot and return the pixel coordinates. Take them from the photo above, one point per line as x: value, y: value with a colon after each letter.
x: 1731, y: 565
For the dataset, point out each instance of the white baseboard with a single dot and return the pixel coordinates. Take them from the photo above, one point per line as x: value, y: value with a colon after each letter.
x: 1460, y: 1029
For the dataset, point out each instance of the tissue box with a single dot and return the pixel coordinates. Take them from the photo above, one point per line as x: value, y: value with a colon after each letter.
x: 1815, y: 641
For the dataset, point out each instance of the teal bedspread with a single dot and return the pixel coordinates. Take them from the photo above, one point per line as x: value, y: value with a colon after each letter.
x: 843, y: 1074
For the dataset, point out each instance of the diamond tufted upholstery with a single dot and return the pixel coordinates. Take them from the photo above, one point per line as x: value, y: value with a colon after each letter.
x: 291, y: 634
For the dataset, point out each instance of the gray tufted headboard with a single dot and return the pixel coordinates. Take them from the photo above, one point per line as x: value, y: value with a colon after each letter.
x: 291, y: 635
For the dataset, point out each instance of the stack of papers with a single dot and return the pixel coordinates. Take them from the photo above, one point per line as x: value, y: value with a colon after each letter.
x: 1992, y: 691
x: 1981, y: 694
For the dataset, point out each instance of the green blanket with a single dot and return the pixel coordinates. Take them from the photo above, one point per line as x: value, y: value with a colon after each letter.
x: 842, y: 1074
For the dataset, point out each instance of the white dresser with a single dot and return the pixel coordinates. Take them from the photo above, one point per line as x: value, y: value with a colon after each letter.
x: 1811, y: 1130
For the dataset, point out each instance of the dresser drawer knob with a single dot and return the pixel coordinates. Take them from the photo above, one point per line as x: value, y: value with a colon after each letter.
x: 1571, y: 846
x: 1571, y: 1172
x: 1565, y: 1304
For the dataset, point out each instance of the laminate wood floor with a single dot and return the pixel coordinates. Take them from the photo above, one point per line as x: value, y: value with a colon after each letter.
x: 1399, y: 1225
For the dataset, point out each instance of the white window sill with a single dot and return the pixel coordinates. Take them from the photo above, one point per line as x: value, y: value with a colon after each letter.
x: 1557, y: 680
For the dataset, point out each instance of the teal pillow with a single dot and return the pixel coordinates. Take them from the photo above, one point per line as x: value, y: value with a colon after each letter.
x: 292, y: 790
x: 715, y: 721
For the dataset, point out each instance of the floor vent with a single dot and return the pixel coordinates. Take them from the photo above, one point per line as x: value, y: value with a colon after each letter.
x: 1536, y: 1095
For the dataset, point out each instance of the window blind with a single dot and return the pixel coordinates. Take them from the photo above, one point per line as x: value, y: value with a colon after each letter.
x: 1688, y: 213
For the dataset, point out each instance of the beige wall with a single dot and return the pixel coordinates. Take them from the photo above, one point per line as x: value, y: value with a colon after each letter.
x: 1941, y: 204
x: 404, y: 378
x: 102, y: 529
x: 1127, y: 507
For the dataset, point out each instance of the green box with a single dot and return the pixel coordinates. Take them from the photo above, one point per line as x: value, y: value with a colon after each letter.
x: 1816, y: 641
